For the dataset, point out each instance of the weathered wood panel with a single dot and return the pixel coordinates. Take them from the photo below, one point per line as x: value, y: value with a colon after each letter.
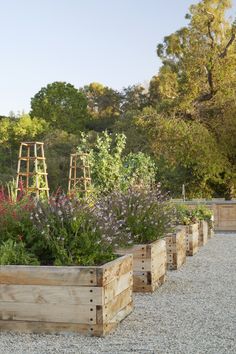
x: 224, y: 212
x: 45, y: 294
x: 47, y: 312
x: 203, y: 233
x: 89, y: 300
x: 192, y: 236
x: 150, y: 265
x: 176, y: 249
x: 45, y: 275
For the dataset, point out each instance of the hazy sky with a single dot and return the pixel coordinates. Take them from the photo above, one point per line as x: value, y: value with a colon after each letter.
x: 80, y: 41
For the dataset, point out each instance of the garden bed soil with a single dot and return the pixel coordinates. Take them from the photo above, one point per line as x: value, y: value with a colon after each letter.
x: 176, y: 248
x: 150, y: 265
x: 91, y: 300
x: 192, y: 237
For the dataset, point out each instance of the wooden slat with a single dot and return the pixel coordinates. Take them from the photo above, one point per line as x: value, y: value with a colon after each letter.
x: 46, y: 275
x: 54, y: 327
x: 47, y: 312
x: 138, y: 251
x: 44, y: 294
x: 117, y: 286
x: 110, y: 270
x: 116, y: 304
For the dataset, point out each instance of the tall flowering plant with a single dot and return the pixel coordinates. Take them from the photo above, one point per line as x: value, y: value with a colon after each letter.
x: 67, y: 233
x: 136, y: 216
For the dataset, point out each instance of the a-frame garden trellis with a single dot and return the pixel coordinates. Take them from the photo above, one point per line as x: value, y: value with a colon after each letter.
x: 79, y: 175
x: 32, y: 169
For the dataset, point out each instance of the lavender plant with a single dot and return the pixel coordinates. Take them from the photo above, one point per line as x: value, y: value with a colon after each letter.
x: 135, y: 216
x: 67, y: 233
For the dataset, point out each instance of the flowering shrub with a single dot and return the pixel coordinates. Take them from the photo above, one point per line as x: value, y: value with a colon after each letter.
x: 60, y: 231
x: 15, y: 218
x: 67, y: 233
x: 184, y: 215
x: 188, y: 216
x: 136, y: 216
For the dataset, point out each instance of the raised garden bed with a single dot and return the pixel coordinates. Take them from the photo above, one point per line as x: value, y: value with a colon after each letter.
x: 203, y: 233
x: 150, y: 265
x: 90, y: 300
x: 192, y: 237
x: 176, y: 248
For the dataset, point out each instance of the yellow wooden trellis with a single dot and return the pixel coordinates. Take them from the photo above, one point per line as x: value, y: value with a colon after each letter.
x: 79, y: 174
x: 32, y: 169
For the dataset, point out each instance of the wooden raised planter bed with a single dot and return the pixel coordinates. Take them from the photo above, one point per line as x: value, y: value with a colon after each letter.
x: 192, y: 237
x: 150, y: 265
x: 176, y: 248
x: 203, y: 233
x: 90, y: 300
x: 211, y: 228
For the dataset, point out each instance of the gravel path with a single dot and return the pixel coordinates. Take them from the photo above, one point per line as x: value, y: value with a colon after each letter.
x: 194, y: 312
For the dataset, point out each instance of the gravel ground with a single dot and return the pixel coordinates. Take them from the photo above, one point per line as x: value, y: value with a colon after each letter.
x: 194, y: 312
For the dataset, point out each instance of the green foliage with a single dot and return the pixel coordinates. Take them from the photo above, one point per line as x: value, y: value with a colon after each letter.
x: 105, y: 160
x: 110, y: 169
x: 139, y: 170
x: 187, y: 215
x: 183, y: 215
x: 201, y: 212
x: 61, y: 105
x: 15, y: 220
x: 12, y: 252
x: 58, y: 232
x: 144, y: 215
x: 186, y: 153
x: 66, y: 233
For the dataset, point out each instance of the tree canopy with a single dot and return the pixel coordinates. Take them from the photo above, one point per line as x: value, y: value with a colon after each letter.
x: 61, y: 105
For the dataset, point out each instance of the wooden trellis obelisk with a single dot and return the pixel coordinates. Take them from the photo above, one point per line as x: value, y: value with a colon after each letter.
x: 79, y: 175
x: 32, y: 170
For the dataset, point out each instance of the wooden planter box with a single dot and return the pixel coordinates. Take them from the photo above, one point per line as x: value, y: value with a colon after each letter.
x: 150, y: 265
x: 192, y: 237
x: 211, y: 228
x: 203, y: 233
x: 176, y: 249
x: 91, y: 300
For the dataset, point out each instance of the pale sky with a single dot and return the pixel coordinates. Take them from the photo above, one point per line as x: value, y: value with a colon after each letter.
x: 81, y: 41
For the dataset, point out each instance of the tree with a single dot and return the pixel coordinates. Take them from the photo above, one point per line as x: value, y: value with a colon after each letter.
x: 199, y: 60
x: 185, y: 153
x: 103, y: 106
x: 134, y: 98
x: 26, y: 128
x: 61, y: 105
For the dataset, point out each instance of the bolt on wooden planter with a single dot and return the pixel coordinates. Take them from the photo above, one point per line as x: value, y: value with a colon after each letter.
x: 192, y: 236
x: 150, y: 265
x: 203, y: 233
x: 176, y: 248
x: 90, y: 300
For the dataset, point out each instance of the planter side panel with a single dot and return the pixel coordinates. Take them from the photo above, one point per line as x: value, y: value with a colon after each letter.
x: 192, y: 236
x: 150, y: 265
x: 203, y: 233
x: 88, y: 300
x: 176, y: 249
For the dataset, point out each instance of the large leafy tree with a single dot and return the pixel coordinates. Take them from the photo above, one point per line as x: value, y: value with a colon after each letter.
x: 103, y: 106
x: 185, y: 151
x: 197, y: 80
x: 61, y: 105
x: 198, y: 60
